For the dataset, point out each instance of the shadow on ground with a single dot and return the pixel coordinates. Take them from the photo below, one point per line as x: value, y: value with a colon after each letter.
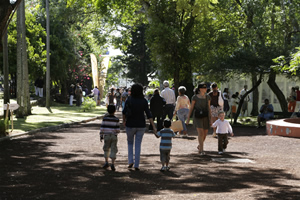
x: 30, y: 171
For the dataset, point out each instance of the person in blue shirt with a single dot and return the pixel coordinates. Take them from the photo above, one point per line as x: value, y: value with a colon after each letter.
x: 166, y: 134
x: 266, y: 112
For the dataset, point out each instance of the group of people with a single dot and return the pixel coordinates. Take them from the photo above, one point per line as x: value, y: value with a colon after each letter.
x: 206, y: 109
x: 117, y: 97
x: 78, y: 93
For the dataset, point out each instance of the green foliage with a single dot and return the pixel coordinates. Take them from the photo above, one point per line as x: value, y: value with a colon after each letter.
x: 113, y: 72
x: 137, y: 56
x: 154, y: 84
x: 88, y: 104
x: 3, y: 127
x: 35, y: 37
x: 290, y: 64
x: 150, y: 91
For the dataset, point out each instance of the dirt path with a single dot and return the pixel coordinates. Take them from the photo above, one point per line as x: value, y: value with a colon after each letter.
x: 66, y: 164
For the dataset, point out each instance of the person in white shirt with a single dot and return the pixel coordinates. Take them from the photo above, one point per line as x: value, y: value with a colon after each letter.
x: 169, y: 95
x: 96, y: 93
x: 223, y: 128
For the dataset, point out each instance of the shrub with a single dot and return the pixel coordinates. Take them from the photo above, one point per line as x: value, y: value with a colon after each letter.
x: 88, y: 104
x: 3, y: 127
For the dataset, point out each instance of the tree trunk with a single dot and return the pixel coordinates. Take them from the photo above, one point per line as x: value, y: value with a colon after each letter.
x: 48, y: 95
x: 20, y: 111
x: 274, y: 87
x: 176, y: 80
x: 5, y: 69
x: 255, y: 96
x: 25, y: 81
x: 243, y: 97
x: 23, y: 98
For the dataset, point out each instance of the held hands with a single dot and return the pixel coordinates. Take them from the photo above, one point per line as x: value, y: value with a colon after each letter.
x: 187, y: 121
x: 232, y: 134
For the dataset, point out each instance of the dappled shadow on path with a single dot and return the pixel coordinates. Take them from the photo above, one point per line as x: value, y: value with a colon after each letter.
x: 29, y: 170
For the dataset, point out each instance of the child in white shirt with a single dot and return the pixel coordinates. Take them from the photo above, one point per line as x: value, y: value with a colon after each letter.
x: 223, y: 128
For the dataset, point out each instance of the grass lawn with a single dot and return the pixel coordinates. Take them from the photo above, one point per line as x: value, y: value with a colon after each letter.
x: 58, y: 114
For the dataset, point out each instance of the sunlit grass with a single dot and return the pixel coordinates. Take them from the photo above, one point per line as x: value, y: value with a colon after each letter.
x: 58, y: 114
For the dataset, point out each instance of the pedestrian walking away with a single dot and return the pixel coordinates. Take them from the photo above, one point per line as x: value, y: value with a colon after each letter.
x: 166, y: 135
x: 134, y: 120
x: 110, y: 127
x: 118, y: 99
x: 71, y: 94
x: 124, y: 97
x: 78, y: 94
x: 182, y: 108
x: 96, y: 94
x: 169, y: 95
x: 157, y: 104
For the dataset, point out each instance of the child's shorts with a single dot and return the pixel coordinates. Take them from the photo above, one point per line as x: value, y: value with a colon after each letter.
x: 110, y: 145
x: 165, y: 155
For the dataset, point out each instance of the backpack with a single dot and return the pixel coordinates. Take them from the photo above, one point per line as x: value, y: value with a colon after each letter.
x: 78, y: 91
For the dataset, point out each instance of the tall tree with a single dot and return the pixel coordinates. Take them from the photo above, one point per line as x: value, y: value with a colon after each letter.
x: 7, y: 8
x: 23, y: 98
x: 137, y: 56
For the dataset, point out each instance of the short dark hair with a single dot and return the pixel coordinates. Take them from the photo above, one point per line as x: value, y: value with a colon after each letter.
x: 156, y: 91
x: 137, y: 90
x: 167, y: 123
x: 111, y: 109
x: 214, y: 85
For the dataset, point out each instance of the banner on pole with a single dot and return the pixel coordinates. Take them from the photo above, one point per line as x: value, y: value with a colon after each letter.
x: 94, y: 70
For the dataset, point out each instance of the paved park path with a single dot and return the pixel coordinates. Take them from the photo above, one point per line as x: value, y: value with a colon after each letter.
x: 66, y: 164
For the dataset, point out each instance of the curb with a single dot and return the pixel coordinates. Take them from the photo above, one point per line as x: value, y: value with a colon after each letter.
x: 48, y: 129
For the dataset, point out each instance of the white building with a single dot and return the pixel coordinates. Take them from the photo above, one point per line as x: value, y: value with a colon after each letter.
x: 265, y: 92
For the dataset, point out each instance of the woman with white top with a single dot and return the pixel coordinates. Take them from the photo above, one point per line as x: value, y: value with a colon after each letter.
x: 182, y: 108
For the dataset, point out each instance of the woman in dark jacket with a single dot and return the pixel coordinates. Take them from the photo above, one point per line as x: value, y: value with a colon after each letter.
x: 134, y: 120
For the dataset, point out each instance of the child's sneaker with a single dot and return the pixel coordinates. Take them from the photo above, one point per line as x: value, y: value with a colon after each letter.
x: 113, y: 167
x: 220, y: 152
x: 163, y: 168
x: 106, y: 165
